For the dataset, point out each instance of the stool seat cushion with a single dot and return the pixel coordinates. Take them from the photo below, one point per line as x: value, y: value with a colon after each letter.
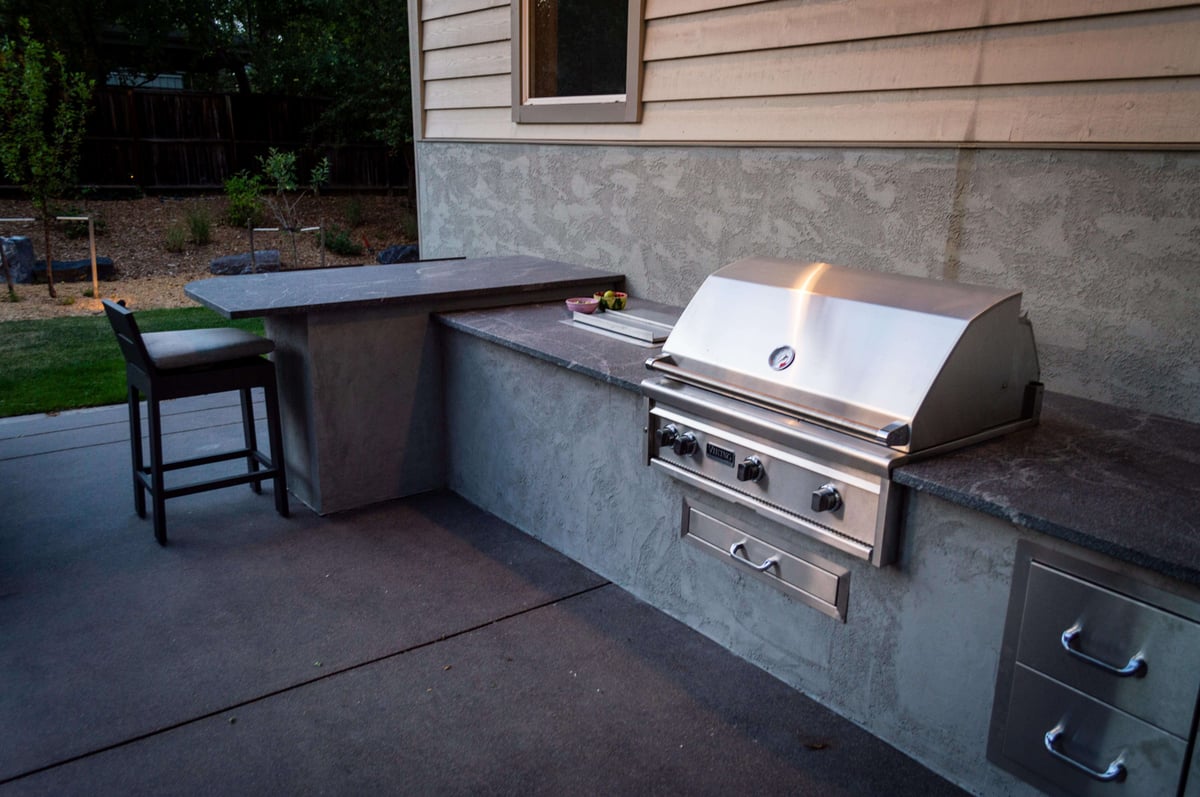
x: 184, y: 348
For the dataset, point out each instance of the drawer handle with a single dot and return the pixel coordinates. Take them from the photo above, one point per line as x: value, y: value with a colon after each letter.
x: 1135, y: 667
x: 767, y: 564
x: 1115, y: 771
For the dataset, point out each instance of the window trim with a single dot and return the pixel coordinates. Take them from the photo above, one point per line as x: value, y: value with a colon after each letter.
x: 607, y: 109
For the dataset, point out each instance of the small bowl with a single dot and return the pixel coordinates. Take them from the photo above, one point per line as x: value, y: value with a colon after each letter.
x: 617, y: 302
x: 582, y: 304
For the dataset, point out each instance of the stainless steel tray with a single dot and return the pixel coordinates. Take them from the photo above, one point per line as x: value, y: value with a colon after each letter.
x: 641, y: 326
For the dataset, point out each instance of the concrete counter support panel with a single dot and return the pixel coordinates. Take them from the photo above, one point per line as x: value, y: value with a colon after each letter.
x: 362, y: 423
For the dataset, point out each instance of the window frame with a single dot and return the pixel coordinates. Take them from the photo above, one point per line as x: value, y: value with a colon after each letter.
x: 588, y: 109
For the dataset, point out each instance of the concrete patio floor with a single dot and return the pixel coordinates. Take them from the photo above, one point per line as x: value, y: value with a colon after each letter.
x: 416, y: 647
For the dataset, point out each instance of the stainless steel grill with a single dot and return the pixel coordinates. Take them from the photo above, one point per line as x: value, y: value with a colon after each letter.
x: 795, y: 388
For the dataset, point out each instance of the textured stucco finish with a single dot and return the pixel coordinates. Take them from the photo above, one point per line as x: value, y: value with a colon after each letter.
x: 1105, y: 245
x: 361, y: 424
x: 558, y: 454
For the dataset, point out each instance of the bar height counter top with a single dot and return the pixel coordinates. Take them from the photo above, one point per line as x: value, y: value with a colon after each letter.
x: 358, y: 364
x: 471, y: 282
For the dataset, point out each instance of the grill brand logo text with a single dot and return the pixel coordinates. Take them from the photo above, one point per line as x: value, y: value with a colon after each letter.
x: 719, y: 454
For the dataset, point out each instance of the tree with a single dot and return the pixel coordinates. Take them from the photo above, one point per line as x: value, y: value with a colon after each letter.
x: 356, y: 54
x: 365, y: 70
x: 134, y: 37
x: 353, y: 54
x: 280, y: 169
x: 43, y: 106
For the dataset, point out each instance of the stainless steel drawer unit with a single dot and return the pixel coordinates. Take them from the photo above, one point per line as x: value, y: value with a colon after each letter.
x: 1098, y: 682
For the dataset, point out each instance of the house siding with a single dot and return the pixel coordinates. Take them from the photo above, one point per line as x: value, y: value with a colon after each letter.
x: 1082, y: 73
x: 1047, y: 147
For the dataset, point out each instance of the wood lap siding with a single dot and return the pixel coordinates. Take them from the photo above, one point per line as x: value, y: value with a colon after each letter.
x: 1012, y: 54
x: 682, y: 33
x: 493, y: 58
x: 438, y: 9
x: 1123, y: 73
x: 462, y: 30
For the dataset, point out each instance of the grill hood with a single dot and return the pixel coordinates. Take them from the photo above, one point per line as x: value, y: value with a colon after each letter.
x: 907, y: 362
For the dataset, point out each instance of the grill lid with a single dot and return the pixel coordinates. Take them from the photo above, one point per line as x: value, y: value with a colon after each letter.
x: 909, y: 362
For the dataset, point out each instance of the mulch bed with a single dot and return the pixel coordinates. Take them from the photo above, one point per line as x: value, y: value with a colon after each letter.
x: 134, y: 234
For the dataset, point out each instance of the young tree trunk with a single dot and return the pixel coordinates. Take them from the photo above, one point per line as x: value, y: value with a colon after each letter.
x: 46, y: 222
x: 7, y: 271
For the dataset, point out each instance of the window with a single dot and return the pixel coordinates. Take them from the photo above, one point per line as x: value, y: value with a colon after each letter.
x: 577, y: 60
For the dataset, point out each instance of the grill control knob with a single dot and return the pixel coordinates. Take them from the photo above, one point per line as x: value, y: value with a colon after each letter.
x: 666, y: 435
x: 685, y: 444
x: 826, y: 498
x: 750, y: 470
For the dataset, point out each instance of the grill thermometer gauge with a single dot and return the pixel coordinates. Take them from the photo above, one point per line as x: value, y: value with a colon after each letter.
x: 781, y: 358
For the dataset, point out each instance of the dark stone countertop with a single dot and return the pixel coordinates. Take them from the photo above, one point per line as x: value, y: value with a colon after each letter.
x: 537, y: 330
x: 428, y: 282
x: 1109, y: 479
x: 1114, y: 480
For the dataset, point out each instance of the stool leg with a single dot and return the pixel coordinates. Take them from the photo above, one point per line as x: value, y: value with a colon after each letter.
x: 248, y: 434
x: 156, y: 471
x: 135, y: 450
x: 275, y: 436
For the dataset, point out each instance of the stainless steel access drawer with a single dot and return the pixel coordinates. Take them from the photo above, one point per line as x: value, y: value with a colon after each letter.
x: 1097, y: 687
x: 1067, y: 619
x: 1091, y: 734
x: 809, y: 579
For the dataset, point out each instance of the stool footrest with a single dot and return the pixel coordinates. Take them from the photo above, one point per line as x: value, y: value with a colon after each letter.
x: 194, y: 462
x: 212, y: 484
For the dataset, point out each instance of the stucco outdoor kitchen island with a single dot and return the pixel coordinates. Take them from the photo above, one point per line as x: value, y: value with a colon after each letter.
x: 359, y: 369
x: 1101, y: 498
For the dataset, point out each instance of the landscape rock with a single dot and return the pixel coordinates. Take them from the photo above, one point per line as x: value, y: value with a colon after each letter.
x: 75, y: 270
x: 407, y: 253
x: 19, y: 251
x: 264, y: 260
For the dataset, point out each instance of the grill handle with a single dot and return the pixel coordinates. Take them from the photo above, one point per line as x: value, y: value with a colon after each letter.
x: 894, y: 434
x: 766, y: 565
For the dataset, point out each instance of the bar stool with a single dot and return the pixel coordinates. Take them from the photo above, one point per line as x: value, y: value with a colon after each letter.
x: 195, y: 362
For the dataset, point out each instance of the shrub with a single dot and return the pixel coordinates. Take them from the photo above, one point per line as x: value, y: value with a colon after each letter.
x: 338, y: 241
x: 354, y: 213
x: 176, y: 237
x: 408, y: 226
x: 242, y: 190
x: 200, y: 224
x: 78, y: 229
x: 280, y: 168
x: 319, y: 175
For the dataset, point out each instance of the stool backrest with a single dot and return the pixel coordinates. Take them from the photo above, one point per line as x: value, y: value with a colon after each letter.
x: 129, y: 337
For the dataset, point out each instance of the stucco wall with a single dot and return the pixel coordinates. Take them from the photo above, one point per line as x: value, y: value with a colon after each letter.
x: 1105, y: 245
x: 916, y: 661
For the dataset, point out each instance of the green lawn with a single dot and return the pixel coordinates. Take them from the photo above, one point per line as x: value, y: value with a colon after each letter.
x: 65, y: 363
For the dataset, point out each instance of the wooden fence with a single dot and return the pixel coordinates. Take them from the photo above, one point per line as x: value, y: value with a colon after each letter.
x: 173, y: 141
